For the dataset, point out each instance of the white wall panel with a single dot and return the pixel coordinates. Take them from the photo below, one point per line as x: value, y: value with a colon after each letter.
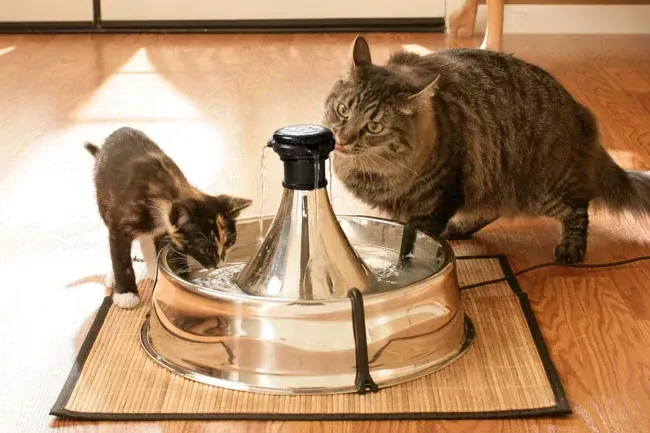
x: 46, y: 10
x: 135, y: 10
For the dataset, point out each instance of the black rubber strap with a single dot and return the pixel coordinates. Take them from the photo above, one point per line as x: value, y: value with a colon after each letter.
x: 363, y: 380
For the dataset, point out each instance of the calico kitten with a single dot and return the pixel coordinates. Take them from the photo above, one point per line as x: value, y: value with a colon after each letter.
x: 448, y: 142
x: 142, y: 194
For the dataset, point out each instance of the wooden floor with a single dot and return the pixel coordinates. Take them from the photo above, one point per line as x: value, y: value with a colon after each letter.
x: 212, y: 102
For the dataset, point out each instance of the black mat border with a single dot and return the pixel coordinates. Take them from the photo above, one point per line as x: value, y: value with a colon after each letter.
x: 561, y: 408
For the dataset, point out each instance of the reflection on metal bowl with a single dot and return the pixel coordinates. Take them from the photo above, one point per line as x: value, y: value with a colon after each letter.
x: 287, y: 346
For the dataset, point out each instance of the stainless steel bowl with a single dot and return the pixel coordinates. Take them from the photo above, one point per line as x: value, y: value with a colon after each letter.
x: 284, y: 346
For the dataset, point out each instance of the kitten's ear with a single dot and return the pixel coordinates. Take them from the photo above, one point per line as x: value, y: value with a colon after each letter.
x: 421, y: 98
x: 361, y: 52
x: 238, y: 204
x: 234, y: 205
x: 180, y: 213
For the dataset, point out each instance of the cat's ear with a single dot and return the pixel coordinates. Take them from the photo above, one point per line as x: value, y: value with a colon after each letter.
x: 428, y: 91
x: 421, y: 98
x: 361, y: 52
x: 231, y: 206
x: 236, y: 205
x: 180, y: 213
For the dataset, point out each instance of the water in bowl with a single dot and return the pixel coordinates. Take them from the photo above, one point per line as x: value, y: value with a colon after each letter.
x: 381, y: 261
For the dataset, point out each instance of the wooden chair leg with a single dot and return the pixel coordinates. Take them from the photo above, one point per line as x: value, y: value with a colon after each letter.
x: 461, y: 22
x: 493, y: 39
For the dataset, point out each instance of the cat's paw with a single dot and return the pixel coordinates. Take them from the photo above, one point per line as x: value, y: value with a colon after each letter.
x: 126, y: 300
x: 570, y: 252
x: 109, y: 280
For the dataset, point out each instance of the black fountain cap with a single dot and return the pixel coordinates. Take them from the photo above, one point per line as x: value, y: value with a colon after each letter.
x: 299, y: 142
x: 303, y: 150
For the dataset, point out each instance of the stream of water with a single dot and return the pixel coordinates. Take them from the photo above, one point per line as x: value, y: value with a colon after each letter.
x: 329, y: 169
x: 309, y: 267
x: 316, y: 179
x: 262, y: 191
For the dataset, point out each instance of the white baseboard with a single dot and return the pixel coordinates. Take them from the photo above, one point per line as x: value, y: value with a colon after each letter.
x: 571, y: 19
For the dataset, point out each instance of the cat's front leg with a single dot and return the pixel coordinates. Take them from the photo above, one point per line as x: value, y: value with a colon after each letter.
x: 575, y: 225
x: 432, y: 224
x: 125, y: 290
x: 109, y: 280
x: 148, y: 248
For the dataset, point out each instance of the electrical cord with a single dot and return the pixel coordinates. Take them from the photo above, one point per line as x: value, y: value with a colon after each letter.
x: 548, y: 264
x: 408, y: 243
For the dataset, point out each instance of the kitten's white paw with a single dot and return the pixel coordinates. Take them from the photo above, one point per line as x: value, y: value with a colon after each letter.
x: 126, y: 300
x: 109, y: 280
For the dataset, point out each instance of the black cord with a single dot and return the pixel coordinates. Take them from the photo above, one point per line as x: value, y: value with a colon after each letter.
x: 547, y: 264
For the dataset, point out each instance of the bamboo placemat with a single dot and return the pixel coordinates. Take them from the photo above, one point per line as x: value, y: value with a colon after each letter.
x: 506, y: 373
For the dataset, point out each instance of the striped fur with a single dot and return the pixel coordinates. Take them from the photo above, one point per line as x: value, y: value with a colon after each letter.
x: 468, y: 136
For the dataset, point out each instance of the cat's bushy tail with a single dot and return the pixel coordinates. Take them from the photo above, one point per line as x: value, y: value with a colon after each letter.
x: 91, y: 148
x: 622, y: 190
x: 618, y: 189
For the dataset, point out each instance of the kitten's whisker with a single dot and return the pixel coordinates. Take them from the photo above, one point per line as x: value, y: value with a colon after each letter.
x: 174, y: 249
x: 177, y: 261
x: 180, y: 270
x: 185, y: 269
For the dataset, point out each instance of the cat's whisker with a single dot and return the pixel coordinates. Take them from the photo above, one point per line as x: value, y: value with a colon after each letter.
x: 180, y: 270
x: 381, y: 169
x: 368, y: 157
x: 175, y: 250
x: 365, y: 169
x: 397, y: 165
x: 177, y: 261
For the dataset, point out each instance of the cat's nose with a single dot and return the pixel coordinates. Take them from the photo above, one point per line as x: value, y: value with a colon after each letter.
x: 343, y: 140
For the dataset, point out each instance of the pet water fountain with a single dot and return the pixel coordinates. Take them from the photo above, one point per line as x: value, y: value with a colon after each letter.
x: 320, y: 304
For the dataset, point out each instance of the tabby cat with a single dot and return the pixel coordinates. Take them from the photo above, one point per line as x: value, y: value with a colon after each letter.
x: 142, y: 194
x: 448, y: 142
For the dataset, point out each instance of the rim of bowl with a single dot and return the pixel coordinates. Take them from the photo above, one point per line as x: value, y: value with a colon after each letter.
x: 448, y: 262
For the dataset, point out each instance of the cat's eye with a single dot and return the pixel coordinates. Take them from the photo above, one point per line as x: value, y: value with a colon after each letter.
x: 374, y: 127
x: 343, y: 110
